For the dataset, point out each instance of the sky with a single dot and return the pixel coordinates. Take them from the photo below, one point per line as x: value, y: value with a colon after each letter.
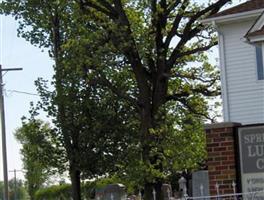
x: 16, y: 52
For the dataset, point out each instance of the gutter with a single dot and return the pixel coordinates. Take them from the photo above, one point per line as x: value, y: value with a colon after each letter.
x: 224, y: 81
x: 233, y: 17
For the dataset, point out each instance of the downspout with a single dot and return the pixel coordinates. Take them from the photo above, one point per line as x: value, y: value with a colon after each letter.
x: 224, y: 81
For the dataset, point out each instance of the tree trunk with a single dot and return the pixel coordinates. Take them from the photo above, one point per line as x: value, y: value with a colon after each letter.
x: 147, y: 139
x: 158, y: 189
x: 76, y: 183
x: 149, y: 189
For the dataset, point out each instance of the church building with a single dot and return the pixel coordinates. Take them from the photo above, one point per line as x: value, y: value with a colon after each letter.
x: 241, y: 47
x: 236, y: 146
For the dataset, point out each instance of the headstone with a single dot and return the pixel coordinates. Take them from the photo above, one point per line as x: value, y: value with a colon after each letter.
x: 200, y: 183
x: 166, y: 190
x: 111, y: 192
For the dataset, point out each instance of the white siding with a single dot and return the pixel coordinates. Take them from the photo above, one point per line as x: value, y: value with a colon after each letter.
x: 245, y: 94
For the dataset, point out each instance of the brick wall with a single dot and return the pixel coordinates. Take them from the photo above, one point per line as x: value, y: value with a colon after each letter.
x: 221, y: 156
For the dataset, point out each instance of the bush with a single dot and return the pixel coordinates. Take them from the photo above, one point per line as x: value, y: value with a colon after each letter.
x: 58, y: 192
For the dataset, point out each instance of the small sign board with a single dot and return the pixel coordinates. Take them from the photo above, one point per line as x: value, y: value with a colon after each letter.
x: 251, y: 148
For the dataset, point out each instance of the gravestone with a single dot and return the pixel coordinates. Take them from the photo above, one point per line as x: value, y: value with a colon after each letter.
x: 111, y: 192
x: 200, y: 183
x: 167, y: 192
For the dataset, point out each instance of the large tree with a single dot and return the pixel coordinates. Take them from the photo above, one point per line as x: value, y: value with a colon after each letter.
x: 162, y: 42
x: 91, y: 124
x: 39, y: 151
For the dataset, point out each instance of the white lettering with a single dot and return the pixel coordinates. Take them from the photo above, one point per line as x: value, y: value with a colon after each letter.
x: 250, y: 153
x: 260, y: 163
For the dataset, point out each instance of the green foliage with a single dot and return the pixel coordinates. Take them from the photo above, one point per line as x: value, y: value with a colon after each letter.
x: 40, y: 153
x: 63, y: 191
x: 19, y: 189
x: 59, y: 192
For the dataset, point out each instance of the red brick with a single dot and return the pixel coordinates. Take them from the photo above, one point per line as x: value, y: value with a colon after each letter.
x: 229, y: 139
x: 231, y: 148
x: 215, y: 173
x: 211, y: 168
x: 225, y: 186
x: 226, y: 134
x: 231, y: 130
x: 222, y: 177
x: 229, y: 171
x: 220, y: 149
x: 214, y: 154
x: 207, y: 131
x: 221, y: 167
x: 209, y: 149
x: 220, y: 158
x: 227, y: 191
x: 209, y: 140
x: 219, y: 139
x: 214, y: 163
x: 228, y: 162
x: 231, y: 158
x: 213, y: 135
x: 232, y: 176
x: 228, y: 182
x: 232, y: 167
x: 227, y: 144
x: 211, y: 159
x: 213, y: 145
x: 219, y: 130
x: 227, y: 152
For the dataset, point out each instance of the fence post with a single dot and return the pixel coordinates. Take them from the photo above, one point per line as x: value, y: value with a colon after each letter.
x: 202, y: 190
x: 140, y: 195
x: 154, y: 194
x: 217, y: 189
x: 182, y: 186
x: 169, y: 193
x: 234, y: 189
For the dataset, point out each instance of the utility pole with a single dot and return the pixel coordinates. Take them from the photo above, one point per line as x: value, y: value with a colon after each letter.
x: 15, y: 182
x: 3, y: 130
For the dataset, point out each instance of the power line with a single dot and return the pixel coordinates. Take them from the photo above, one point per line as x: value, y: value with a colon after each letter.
x: 22, y: 92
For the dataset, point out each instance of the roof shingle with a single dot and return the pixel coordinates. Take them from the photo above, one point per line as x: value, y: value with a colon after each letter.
x: 256, y: 33
x: 244, y: 7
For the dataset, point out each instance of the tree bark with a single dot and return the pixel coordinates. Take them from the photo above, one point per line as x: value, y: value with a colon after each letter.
x: 76, y: 183
x: 158, y: 189
x: 148, y: 191
x: 148, y: 122
x: 150, y: 187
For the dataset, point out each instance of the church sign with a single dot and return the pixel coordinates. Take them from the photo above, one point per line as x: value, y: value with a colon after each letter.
x: 251, y: 145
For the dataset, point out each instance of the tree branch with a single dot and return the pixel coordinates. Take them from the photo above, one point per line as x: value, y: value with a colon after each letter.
x: 192, y: 110
x: 172, y: 6
x: 176, y: 23
x: 107, y: 9
x: 198, y: 49
x: 189, y: 32
x: 105, y: 82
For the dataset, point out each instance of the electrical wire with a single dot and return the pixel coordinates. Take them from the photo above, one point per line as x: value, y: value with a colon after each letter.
x: 22, y: 92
